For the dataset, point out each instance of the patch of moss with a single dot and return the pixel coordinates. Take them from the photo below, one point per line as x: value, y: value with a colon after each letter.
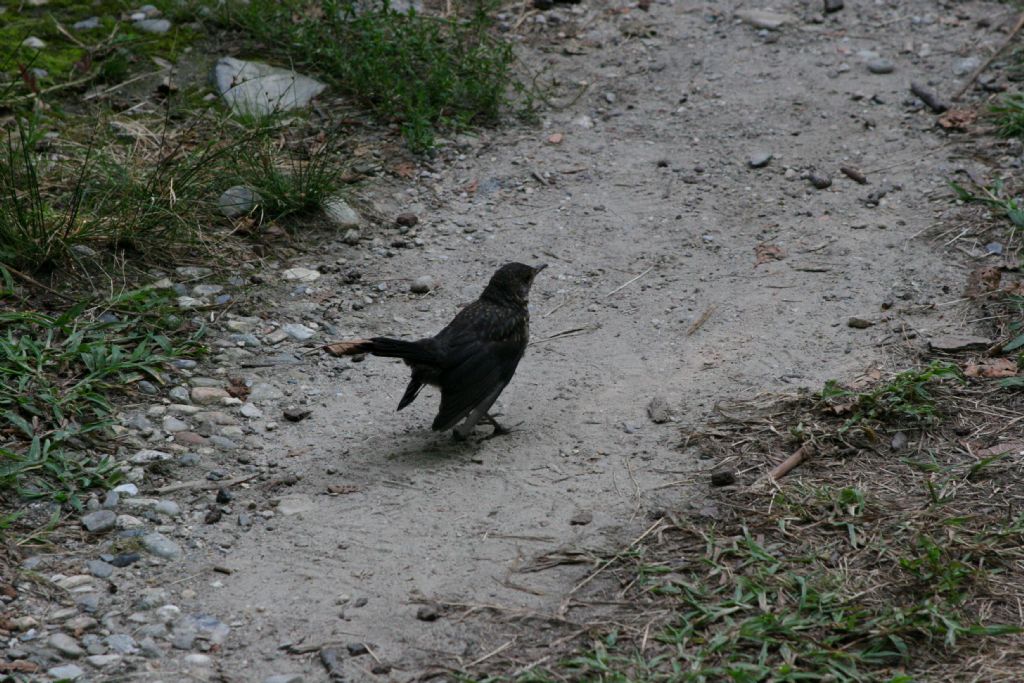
x: 111, y: 52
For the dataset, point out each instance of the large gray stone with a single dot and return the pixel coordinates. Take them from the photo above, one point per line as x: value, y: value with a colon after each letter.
x: 161, y: 546
x: 67, y: 671
x: 99, y: 521
x: 238, y: 201
x: 260, y: 89
x: 66, y: 645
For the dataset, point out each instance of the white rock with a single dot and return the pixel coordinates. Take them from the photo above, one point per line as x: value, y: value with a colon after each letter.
x: 101, y: 661
x: 298, y: 331
x: 260, y: 89
x: 759, y: 18
x: 341, y: 214
x: 148, y: 455
x: 128, y: 522
x: 127, y: 489
x: 301, y: 274
x: 251, y: 411
x: 294, y: 504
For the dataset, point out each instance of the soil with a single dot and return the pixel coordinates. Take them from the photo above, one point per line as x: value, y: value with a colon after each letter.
x: 676, y: 271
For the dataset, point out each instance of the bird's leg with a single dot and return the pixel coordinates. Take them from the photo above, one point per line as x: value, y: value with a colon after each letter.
x: 479, y: 412
x: 498, y: 429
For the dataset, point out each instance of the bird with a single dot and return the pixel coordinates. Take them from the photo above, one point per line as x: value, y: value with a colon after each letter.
x: 472, y: 359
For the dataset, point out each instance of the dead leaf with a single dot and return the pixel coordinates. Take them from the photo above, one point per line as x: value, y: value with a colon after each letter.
x: 957, y: 119
x: 992, y: 368
x: 844, y: 408
x: 982, y: 281
x: 768, y: 252
x: 404, y: 169
x: 345, y: 348
x: 1015, y: 288
x: 237, y: 388
x: 471, y: 186
x: 556, y: 138
x: 19, y: 666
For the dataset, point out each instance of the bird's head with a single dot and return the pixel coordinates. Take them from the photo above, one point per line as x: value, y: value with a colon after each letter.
x: 511, y: 283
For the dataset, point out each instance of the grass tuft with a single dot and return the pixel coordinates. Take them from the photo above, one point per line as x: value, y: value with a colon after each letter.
x: 997, y: 199
x: 1009, y: 115
x: 292, y: 177
x: 906, y: 397
x: 421, y: 72
x: 865, y: 566
x: 58, y: 374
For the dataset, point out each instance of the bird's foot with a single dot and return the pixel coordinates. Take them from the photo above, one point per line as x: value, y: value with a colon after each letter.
x: 498, y: 429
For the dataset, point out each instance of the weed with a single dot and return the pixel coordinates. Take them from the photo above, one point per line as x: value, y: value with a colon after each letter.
x: 72, y: 59
x: 424, y: 73
x: 116, y: 198
x: 1009, y: 115
x: 291, y: 178
x: 33, y: 231
x: 904, y: 398
x: 57, y: 374
x: 771, y: 606
x: 995, y: 198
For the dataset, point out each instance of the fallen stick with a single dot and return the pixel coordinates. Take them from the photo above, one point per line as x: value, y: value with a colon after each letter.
x: 627, y: 283
x: 801, y: 454
x: 701, y: 320
x: 933, y: 101
x: 205, y: 484
x: 984, y: 65
x: 854, y: 174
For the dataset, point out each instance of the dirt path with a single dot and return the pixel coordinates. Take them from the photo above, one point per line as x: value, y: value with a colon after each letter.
x: 650, y: 184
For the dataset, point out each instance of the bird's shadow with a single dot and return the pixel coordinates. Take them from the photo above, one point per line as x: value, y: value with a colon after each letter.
x: 424, y: 449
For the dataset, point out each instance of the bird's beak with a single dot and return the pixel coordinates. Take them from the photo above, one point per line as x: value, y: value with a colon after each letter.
x: 537, y: 269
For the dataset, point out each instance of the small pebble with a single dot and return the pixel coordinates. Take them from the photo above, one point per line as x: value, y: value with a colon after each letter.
x: 881, y: 65
x: 759, y: 159
x: 819, y: 180
x: 100, y: 569
x: 294, y: 414
x: 422, y: 284
x: 407, y: 220
x: 99, y: 521
x: 427, y: 613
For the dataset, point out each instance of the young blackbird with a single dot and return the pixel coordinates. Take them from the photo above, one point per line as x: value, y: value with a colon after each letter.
x: 472, y: 359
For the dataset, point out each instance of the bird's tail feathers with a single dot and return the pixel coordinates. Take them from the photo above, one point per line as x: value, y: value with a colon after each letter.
x: 412, y: 351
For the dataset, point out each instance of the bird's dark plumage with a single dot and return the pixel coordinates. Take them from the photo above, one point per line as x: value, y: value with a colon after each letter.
x: 473, y: 358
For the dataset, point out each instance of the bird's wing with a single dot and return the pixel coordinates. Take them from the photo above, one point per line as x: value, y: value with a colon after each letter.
x: 465, y: 386
x: 485, y: 344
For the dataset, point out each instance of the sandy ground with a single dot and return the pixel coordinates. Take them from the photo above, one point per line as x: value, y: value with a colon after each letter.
x: 649, y: 217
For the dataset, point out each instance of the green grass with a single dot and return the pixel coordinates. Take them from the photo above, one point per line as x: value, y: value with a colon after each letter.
x: 293, y: 177
x: 860, y: 566
x: 73, y: 59
x: 422, y: 73
x: 58, y: 375
x: 997, y: 199
x: 106, y: 195
x: 802, y: 597
x: 1009, y: 115
x: 904, y: 398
